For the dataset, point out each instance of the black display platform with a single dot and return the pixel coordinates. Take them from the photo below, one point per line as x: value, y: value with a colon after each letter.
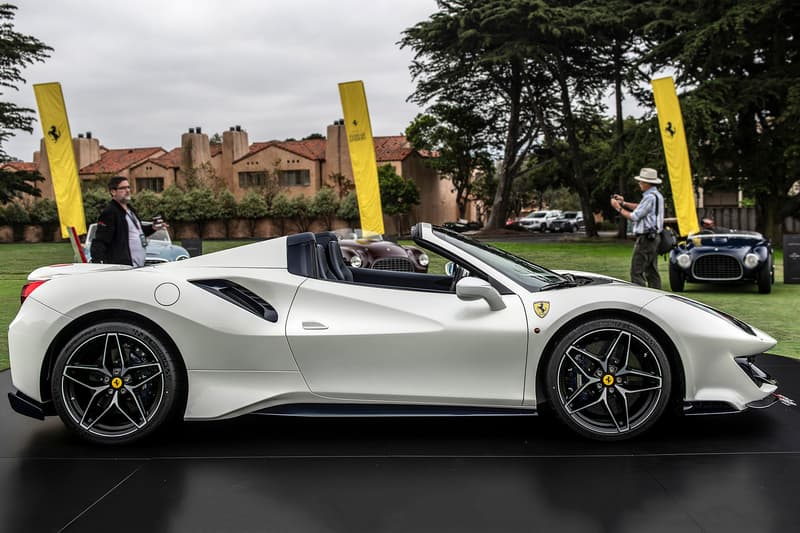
x: 723, y: 473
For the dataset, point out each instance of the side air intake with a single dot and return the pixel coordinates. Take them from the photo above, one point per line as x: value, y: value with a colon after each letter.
x: 239, y: 296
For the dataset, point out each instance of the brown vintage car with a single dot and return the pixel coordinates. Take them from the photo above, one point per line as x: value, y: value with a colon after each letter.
x: 372, y: 251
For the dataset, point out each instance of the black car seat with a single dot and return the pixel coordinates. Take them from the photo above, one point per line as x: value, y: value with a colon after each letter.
x: 322, y: 264
x: 336, y: 260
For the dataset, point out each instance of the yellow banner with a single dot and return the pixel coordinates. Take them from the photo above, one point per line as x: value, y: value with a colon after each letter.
x: 60, y: 154
x: 670, y: 122
x: 362, y: 155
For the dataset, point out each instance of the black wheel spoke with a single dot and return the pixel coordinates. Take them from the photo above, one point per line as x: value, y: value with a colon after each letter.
x: 617, y: 407
x: 90, y: 377
x: 584, y: 361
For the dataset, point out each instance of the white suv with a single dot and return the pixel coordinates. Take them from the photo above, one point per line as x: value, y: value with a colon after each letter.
x: 539, y: 220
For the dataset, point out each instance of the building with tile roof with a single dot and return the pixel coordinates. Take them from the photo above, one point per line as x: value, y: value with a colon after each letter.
x: 300, y: 167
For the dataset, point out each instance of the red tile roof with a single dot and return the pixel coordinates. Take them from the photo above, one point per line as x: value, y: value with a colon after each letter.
x: 114, y: 161
x: 313, y: 149
x: 171, y: 159
x: 21, y: 166
x: 394, y: 148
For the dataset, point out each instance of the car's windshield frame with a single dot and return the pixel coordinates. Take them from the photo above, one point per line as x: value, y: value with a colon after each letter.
x: 529, y: 275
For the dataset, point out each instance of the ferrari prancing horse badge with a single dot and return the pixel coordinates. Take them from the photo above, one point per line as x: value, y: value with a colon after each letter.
x: 541, y: 308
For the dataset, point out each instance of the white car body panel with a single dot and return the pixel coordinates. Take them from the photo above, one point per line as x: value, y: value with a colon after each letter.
x: 403, y: 345
x: 339, y: 342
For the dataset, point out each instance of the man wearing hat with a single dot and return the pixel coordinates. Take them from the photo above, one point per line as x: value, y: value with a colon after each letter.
x: 648, y: 220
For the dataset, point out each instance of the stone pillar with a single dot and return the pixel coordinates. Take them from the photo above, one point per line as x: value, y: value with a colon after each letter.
x: 234, y: 145
x: 87, y: 150
x: 337, y: 153
x: 195, y: 153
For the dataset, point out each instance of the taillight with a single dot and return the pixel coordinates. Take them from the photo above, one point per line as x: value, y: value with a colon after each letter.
x: 28, y: 288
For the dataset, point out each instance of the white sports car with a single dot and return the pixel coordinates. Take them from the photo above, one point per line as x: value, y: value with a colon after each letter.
x: 285, y: 327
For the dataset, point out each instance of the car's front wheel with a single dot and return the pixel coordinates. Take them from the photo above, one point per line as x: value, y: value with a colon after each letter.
x: 608, y: 379
x: 765, y: 278
x: 677, y: 279
x: 116, y: 383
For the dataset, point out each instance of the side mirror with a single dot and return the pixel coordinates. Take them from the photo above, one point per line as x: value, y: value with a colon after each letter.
x: 470, y: 288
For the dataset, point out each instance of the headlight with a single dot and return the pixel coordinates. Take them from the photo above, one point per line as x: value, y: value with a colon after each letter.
x: 684, y: 260
x: 355, y: 260
x: 423, y: 259
x: 751, y: 260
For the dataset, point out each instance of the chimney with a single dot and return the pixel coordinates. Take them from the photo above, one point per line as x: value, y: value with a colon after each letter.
x: 234, y: 145
x: 337, y: 154
x: 195, y: 152
x: 87, y: 150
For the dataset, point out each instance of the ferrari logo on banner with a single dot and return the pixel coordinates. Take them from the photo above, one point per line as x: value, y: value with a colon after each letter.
x: 670, y: 123
x: 61, y: 156
x: 362, y: 155
x: 541, y: 308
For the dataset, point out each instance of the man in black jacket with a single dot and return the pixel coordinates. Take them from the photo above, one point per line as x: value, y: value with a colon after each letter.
x: 120, y: 236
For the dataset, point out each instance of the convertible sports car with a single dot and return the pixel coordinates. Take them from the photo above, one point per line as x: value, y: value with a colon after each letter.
x: 285, y: 327
x: 723, y: 257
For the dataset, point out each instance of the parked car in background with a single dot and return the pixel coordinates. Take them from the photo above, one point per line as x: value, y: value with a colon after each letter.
x: 727, y: 257
x: 569, y: 221
x: 462, y: 225
x: 539, y: 220
x: 159, y: 247
x: 362, y: 250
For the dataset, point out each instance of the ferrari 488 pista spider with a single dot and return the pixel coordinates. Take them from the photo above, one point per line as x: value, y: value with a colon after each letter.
x: 284, y: 326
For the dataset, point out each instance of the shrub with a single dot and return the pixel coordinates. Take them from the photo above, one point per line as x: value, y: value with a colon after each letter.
x: 252, y: 207
x: 348, y: 209
x: 147, y: 205
x: 94, y: 201
x: 324, y: 206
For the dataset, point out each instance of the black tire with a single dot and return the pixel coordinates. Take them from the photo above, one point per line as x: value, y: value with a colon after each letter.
x: 116, y: 383
x: 677, y: 279
x: 608, y: 380
x: 543, y: 228
x: 765, y: 278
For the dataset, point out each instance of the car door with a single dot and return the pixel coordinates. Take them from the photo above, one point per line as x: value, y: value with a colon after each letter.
x: 364, y: 342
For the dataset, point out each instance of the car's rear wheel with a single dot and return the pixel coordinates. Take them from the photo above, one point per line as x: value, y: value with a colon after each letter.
x: 677, y: 279
x: 608, y: 379
x: 765, y: 278
x: 115, y: 383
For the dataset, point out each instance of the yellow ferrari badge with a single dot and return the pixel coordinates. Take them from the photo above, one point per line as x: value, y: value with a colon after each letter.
x: 116, y: 383
x: 541, y: 308
x: 608, y: 380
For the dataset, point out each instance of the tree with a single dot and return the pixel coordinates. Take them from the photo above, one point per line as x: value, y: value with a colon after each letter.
x: 45, y: 213
x: 348, y: 209
x: 736, y: 62
x: 16, y: 52
x: 468, y: 53
x: 227, y: 208
x: 147, y: 204
x: 281, y: 211
x: 456, y: 135
x: 252, y: 207
x: 398, y: 195
x: 302, y: 214
x: 324, y: 206
x: 201, y: 206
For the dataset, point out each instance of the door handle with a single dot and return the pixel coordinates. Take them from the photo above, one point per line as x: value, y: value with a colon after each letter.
x: 314, y: 325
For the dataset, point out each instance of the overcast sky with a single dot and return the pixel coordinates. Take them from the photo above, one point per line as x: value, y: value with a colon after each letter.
x: 141, y: 73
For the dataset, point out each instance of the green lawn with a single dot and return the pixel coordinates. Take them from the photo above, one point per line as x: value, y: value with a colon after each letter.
x: 774, y: 313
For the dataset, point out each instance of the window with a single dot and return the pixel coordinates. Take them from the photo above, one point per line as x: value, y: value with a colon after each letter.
x: 289, y: 178
x: 252, y: 179
x: 150, y: 184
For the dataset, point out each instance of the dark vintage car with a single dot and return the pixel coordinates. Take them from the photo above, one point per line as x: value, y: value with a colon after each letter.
x: 726, y: 256
x: 569, y: 221
x: 372, y: 251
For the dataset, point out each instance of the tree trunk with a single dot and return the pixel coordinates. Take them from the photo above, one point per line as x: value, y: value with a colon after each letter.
x: 619, y: 142
x: 501, y: 204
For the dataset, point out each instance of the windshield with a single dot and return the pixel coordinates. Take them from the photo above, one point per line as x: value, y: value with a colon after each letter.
x: 357, y: 234
x: 570, y: 215
x: 537, y: 214
x: 159, y: 235
x: 529, y: 275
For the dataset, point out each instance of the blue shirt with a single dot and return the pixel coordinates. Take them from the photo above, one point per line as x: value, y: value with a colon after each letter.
x: 649, y: 214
